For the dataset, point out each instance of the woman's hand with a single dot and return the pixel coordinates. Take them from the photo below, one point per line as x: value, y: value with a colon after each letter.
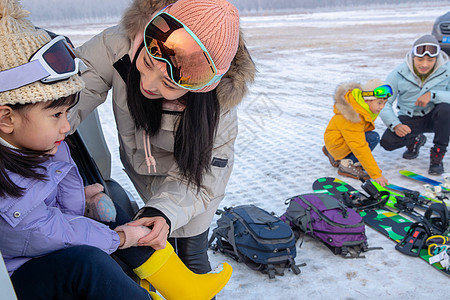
x: 122, y: 238
x: 157, y: 238
x: 401, y: 130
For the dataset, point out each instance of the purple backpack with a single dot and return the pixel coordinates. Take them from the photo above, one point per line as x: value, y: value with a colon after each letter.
x: 329, y: 220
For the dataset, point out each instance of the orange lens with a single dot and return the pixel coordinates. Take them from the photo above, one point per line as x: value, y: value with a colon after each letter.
x: 188, y: 63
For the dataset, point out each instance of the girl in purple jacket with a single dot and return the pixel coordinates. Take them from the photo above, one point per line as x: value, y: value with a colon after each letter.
x: 51, y: 250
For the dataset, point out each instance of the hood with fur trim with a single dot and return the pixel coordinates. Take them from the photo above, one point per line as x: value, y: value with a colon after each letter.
x: 234, y: 84
x: 342, y: 105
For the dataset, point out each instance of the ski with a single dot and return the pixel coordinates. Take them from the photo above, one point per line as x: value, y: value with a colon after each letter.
x: 416, y: 195
x: 404, y: 190
x: 445, y: 186
x: 390, y: 224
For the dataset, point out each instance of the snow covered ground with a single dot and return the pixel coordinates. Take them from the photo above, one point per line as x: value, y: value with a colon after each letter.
x: 300, y: 60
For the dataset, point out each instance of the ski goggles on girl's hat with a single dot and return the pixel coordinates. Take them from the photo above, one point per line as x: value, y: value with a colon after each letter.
x: 188, y: 62
x: 55, y: 61
x: 426, y: 49
x: 383, y: 91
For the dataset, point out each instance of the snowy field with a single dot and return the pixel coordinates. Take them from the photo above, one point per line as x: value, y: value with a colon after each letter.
x: 300, y: 60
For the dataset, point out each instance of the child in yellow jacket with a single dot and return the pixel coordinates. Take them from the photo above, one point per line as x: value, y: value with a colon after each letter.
x: 350, y: 136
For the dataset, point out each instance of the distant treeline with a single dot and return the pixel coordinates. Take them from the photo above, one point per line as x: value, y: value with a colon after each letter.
x: 75, y: 11
x: 97, y: 11
x: 261, y: 6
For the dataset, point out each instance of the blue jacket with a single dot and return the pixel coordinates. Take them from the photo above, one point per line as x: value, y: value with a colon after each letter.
x: 407, y: 87
x: 49, y: 216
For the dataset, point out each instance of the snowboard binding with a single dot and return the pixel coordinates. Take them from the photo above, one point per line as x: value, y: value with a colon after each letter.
x: 415, y: 239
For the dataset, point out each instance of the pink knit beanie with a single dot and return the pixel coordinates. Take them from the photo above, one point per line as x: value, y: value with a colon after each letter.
x: 216, y: 24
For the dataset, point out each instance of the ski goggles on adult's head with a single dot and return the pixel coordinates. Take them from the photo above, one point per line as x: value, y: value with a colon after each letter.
x: 383, y: 91
x: 55, y: 61
x: 426, y: 49
x: 188, y: 63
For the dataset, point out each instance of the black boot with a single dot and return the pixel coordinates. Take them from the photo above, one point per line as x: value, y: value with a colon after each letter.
x: 436, y: 157
x: 413, y: 149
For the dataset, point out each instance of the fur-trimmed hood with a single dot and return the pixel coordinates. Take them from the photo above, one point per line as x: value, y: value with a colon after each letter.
x: 233, y: 85
x: 341, y: 103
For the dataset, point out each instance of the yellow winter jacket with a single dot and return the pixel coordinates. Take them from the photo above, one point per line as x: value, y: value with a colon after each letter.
x: 345, y: 133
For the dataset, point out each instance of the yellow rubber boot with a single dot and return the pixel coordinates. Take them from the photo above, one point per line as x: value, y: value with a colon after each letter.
x: 155, y: 296
x: 146, y: 285
x: 174, y: 281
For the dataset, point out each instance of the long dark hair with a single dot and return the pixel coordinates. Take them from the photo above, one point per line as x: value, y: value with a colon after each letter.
x: 194, y: 136
x: 25, y: 162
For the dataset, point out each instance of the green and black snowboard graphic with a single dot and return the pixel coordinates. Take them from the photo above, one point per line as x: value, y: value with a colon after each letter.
x: 385, y: 221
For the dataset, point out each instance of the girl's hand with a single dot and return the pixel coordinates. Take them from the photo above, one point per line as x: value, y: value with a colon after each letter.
x: 157, y: 238
x: 381, y: 181
x: 99, y: 206
x: 130, y: 235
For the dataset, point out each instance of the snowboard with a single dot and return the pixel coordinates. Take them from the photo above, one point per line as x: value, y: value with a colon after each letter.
x: 426, y: 180
x: 422, y: 198
x: 339, y: 187
x: 407, y: 205
x: 385, y: 221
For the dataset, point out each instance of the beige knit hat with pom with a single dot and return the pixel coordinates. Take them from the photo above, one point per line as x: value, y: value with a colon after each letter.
x: 19, y: 40
x: 370, y: 85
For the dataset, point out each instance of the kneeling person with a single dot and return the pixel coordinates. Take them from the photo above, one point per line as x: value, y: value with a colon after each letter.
x: 421, y: 86
x: 349, y: 136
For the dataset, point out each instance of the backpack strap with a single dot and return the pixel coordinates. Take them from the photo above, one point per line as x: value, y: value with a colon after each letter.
x: 353, y: 252
x: 295, y: 268
x: 271, y: 271
x: 230, y: 236
x: 307, y: 221
x: 231, y: 233
x: 214, y: 232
